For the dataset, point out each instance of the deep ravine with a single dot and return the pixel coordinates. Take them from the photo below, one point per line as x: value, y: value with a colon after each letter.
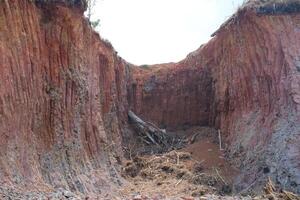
x: 65, y: 95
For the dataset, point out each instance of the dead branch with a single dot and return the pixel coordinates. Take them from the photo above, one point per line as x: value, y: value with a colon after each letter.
x: 222, y: 179
x: 220, y: 140
x: 193, y: 138
x: 148, y: 130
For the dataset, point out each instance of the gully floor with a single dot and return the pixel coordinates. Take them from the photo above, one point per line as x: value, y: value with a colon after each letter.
x: 191, y: 172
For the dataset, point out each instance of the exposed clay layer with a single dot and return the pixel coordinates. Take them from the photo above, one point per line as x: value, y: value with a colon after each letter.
x: 245, y: 81
x: 172, y: 95
x: 65, y: 96
x: 63, y: 100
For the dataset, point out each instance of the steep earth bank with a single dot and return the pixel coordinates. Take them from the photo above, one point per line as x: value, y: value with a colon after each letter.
x: 245, y: 82
x: 63, y: 100
x: 65, y: 96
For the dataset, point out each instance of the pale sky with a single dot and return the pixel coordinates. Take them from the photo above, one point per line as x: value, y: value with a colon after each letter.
x: 159, y: 31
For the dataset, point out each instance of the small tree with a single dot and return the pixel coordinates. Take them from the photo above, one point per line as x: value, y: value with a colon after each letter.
x: 91, y: 4
x: 90, y: 8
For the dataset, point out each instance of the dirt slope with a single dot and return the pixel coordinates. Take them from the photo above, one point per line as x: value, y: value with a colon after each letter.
x: 246, y: 82
x: 65, y: 95
x: 63, y: 100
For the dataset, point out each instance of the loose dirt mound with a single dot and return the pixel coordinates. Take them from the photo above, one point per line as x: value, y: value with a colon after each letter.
x: 168, y: 176
x: 171, y: 174
x: 198, y: 171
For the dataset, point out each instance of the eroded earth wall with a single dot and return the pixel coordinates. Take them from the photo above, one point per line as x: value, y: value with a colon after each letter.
x: 63, y: 99
x: 65, y: 95
x: 246, y: 82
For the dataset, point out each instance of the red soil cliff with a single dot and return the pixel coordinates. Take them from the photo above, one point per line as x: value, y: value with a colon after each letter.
x: 246, y: 82
x: 63, y: 99
x: 65, y: 94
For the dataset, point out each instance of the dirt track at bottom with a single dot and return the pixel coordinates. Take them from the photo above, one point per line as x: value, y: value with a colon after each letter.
x: 211, y: 158
x: 198, y: 169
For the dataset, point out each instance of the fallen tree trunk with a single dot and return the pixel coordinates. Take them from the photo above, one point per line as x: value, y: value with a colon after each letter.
x: 149, y: 131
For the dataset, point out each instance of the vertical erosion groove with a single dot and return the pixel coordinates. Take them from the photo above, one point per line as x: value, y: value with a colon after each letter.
x: 62, y: 100
x: 245, y: 81
x: 65, y: 95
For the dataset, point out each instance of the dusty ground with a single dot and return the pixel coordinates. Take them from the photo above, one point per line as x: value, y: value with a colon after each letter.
x: 198, y: 171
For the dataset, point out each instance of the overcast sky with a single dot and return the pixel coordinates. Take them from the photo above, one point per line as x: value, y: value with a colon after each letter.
x: 159, y: 31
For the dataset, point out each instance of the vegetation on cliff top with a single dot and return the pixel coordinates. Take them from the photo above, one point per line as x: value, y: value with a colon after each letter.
x: 82, y: 4
x: 271, y: 7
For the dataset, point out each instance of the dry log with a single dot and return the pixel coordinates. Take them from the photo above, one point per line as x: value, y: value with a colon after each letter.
x: 154, y: 134
x: 193, y: 138
x: 220, y: 140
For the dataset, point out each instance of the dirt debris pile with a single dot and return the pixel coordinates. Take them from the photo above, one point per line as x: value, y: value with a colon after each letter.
x: 194, y: 171
x: 175, y: 175
x: 173, y: 169
x: 151, y: 139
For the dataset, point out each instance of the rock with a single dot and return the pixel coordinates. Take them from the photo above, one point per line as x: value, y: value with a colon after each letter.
x: 68, y: 194
x: 138, y: 197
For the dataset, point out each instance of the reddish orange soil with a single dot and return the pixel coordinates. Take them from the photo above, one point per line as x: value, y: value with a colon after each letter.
x: 211, y: 158
x: 160, y: 174
x: 206, y: 151
x: 65, y: 94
